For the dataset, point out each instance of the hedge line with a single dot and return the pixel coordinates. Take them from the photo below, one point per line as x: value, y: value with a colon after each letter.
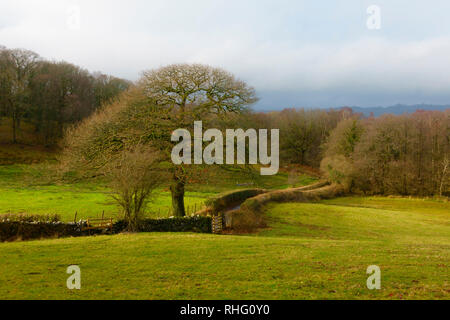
x: 25, y: 230
x: 228, y: 200
x: 14, y: 230
x: 189, y: 224
x: 314, y: 192
x: 250, y: 215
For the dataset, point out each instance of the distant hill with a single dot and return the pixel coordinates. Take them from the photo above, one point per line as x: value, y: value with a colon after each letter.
x: 398, y: 109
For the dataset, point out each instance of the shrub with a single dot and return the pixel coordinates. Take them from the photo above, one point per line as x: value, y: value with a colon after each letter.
x: 19, y: 230
x: 304, y: 194
x: 244, y: 220
x: 338, y: 169
x: 230, y: 199
x: 22, y: 227
x: 191, y: 224
x: 134, y: 175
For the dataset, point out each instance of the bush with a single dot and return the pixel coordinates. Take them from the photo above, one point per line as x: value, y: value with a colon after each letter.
x: 230, y: 199
x: 134, y: 174
x: 22, y: 227
x: 305, y: 194
x: 338, y: 169
x: 19, y: 230
x: 192, y: 224
x: 244, y: 220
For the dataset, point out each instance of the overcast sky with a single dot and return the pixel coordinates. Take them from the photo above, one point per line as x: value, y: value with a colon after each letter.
x: 295, y: 53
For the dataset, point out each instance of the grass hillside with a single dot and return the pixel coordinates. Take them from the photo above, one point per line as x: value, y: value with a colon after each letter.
x: 362, y: 218
x: 309, y: 251
x: 20, y: 192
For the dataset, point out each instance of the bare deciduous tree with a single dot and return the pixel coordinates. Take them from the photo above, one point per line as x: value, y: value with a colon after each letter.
x: 191, y: 92
x: 164, y: 100
x: 134, y: 175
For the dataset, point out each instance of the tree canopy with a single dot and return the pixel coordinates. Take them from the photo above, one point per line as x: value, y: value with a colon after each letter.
x: 162, y: 101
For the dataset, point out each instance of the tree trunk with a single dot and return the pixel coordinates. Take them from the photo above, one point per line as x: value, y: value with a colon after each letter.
x: 177, y: 190
x: 441, y: 184
x: 14, y: 130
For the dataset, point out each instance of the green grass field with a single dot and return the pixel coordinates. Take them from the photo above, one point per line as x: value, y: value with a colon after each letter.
x: 309, y: 251
x: 21, y: 194
x: 89, y: 200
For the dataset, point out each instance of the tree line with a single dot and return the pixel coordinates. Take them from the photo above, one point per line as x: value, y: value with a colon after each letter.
x: 49, y: 95
x: 302, y: 132
x: 404, y: 155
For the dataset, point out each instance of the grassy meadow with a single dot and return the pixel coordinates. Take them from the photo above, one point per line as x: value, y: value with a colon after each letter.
x: 21, y: 194
x: 308, y: 251
x: 89, y: 200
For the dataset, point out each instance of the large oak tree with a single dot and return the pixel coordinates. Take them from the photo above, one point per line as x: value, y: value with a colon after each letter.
x: 162, y: 101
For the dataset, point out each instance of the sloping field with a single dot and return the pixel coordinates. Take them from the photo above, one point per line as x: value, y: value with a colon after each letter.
x: 310, y: 251
x: 25, y: 193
